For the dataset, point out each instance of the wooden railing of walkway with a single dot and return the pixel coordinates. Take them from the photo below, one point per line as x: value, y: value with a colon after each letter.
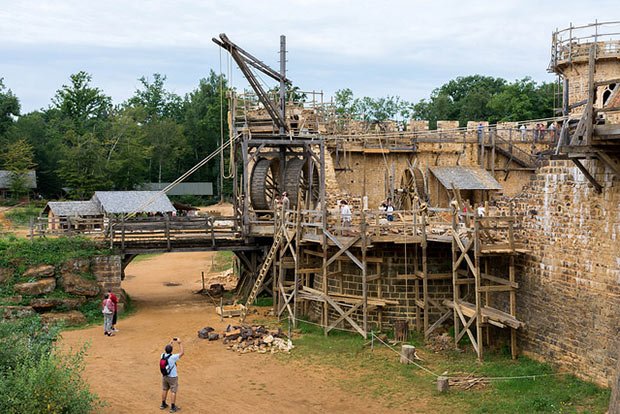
x: 148, y: 233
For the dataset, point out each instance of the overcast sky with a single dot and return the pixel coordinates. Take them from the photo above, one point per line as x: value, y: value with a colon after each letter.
x: 376, y: 48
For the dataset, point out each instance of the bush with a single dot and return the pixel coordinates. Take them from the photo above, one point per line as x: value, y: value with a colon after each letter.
x: 35, y: 377
x: 18, y: 253
x: 20, y: 216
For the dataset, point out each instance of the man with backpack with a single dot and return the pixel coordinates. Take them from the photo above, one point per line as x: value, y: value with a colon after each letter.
x: 170, y: 379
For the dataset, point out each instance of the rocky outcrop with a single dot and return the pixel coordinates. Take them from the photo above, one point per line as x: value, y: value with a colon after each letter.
x: 15, y: 312
x: 77, y: 285
x: 39, y: 272
x: 40, y: 287
x: 71, y: 318
x: 47, y: 304
x: 5, y: 274
x: 76, y: 266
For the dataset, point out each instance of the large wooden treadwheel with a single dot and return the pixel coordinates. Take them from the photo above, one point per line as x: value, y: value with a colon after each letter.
x: 412, y: 188
x: 263, y: 183
x: 297, y: 179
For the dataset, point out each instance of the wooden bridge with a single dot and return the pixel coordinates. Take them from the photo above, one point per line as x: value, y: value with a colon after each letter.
x: 151, y: 234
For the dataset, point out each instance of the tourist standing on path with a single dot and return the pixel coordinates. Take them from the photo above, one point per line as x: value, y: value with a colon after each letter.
x: 170, y: 380
x: 107, y: 308
x: 114, y: 300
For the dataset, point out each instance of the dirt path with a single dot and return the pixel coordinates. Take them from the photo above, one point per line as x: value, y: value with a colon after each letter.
x: 123, y: 369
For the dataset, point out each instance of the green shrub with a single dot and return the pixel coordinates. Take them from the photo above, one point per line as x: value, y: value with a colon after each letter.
x: 21, y: 253
x: 20, y: 216
x: 35, y: 377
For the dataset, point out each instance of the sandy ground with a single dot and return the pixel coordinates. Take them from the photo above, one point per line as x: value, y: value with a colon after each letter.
x: 123, y: 370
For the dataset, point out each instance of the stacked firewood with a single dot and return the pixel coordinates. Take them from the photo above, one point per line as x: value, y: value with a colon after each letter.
x: 244, y: 339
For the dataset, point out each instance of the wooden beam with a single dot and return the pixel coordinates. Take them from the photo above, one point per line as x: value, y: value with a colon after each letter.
x: 586, y: 173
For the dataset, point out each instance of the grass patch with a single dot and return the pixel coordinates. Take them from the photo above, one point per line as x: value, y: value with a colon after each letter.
x: 265, y: 301
x: 222, y: 261
x: 144, y: 257
x: 20, y: 216
x: 20, y: 253
x: 379, y: 374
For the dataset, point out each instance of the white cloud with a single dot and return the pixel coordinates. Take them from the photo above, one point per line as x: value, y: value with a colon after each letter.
x: 400, y: 42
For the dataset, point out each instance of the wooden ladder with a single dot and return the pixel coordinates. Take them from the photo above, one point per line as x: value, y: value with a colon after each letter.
x: 262, y: 273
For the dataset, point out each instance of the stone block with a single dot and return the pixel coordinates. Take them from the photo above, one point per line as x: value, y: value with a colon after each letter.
x: 5, y: 274
x: 77, y: 285
x: 71, y: 318
x: 76, y: 266
x: 16, y: 312
x: 39, y: 272
x: 40, y: 287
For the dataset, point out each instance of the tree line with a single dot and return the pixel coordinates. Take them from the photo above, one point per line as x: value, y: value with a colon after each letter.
x: 83, y: 142
x: 466, y: 98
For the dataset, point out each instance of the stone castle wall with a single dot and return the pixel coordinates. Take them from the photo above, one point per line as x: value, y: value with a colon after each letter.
x: 569, y: 292
x: 358, y: 173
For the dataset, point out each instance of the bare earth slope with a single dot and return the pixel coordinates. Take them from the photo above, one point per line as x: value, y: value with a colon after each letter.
x: 124, y: 370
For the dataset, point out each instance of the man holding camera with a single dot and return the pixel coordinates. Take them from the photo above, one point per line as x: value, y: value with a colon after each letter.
x: 171, y: 380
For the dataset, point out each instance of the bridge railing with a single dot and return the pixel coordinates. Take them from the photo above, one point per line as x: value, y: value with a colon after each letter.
x: 144, y: 230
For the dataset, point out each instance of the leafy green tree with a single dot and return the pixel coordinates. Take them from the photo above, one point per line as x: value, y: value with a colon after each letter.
x: 156, y: 101
x: 345, y: 102
x: 464, y: 98
x: 205, y: 123
x: 48, y: 148
x: 159, y: 113
x: 18, y: 160
x: 79, y: 120
x: 9, y: 107
x: 81, y: 103
x: 127, y: 153
x: 82, y: 166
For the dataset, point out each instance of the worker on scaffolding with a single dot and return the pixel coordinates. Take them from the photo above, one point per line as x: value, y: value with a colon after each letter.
x: 389, y: 209
x: 286, y: 205
x: 345, y: 217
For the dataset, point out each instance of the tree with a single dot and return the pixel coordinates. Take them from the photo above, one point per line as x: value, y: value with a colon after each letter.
x: 82, y: 166
x: 345, y: 103
x: 127, y: 153
x: 205, y: 123
x: 156, y: 101
x: 48, y: 148
x: 522, y: 99
x: 81, y: 103
x: 18, y: 160
x: 464, y: 99
x: 78, y: 120
x: 9, y: 107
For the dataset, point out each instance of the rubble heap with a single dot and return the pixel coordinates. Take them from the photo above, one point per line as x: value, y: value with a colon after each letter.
x: 244, y: 339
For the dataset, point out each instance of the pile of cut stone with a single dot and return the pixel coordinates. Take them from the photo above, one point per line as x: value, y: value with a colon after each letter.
x: 244, y: 339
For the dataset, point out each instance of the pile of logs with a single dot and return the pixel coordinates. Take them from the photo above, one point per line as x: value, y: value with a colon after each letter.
x: 244, y: 339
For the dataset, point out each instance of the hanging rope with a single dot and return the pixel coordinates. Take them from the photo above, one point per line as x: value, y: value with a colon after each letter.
x: 232, y: 151
x: 180, y: 179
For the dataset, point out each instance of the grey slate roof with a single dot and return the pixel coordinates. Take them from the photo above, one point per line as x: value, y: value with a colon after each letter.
x: 466, y: 178
x: 5, y: 179
x: 123, y: 202
x: 73, y: 208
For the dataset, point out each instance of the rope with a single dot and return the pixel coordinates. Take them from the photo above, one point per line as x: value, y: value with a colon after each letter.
x: 180, y: 179
x: 230, y: 166
x: 423, y: 368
